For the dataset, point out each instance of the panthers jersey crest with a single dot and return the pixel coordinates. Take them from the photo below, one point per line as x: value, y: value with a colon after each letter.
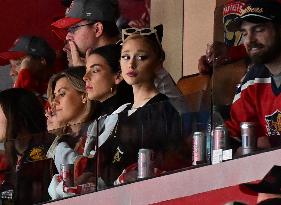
x: 273, y: 123
x: 231, y: 11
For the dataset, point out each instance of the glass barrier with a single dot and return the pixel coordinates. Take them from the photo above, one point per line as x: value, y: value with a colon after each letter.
x: 130, y: 145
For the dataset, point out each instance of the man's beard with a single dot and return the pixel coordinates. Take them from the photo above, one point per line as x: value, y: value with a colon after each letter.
x: 270, y: 54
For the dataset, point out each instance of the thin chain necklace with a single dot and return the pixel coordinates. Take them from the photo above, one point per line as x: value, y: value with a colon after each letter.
x: 143, y: 102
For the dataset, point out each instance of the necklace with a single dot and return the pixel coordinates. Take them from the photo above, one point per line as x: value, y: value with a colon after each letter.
x: 143, y: 102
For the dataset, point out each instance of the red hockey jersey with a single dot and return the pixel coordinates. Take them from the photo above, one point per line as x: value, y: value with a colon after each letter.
x: 257, y: 100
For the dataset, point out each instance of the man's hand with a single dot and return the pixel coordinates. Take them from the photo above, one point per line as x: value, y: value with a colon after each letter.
x: 216, y: 54
x: 203, y: 66
x: 75, y: 55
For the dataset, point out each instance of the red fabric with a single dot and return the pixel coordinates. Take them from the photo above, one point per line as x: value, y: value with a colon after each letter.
x: 237, y: 52
x: 26, y: 81
x: 79, y: 148
x: 66, y: 22
x: 255, y: 101
x: 29, y: 17
x: 3, y: 166
x: 80, y: 166
x: 8, y: 55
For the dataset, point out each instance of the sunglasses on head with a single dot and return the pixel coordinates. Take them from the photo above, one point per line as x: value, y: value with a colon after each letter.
x: 142, y: 31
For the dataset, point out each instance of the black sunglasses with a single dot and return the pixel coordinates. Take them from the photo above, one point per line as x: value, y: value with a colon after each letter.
x: 72, y: 29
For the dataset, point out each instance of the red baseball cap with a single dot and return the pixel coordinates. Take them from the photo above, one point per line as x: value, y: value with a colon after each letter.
x: 15, y: 52
x: 92, y: 10
x: 28, y: 45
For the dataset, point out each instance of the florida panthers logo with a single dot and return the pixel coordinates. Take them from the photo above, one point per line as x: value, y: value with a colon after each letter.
x: 231, y: 11
x: 273, y: 123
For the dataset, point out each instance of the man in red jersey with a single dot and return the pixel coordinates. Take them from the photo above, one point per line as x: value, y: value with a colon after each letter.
x: 257, y: 99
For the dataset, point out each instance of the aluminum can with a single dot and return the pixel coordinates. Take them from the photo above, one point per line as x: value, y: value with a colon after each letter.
x: 198, y: 148
x: 219, y: 138
x: 249, y: 137
x: 145, y: 163
x: 67, y: 173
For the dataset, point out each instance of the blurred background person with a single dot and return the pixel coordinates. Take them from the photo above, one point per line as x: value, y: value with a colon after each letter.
x: 134, y: 13
x: 23, y: 130
x: 32, y: 60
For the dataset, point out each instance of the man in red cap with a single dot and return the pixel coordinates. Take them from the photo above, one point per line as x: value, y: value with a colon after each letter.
x: 87, y: 24
x: 91, y: 24
x: 31, y: 60
x: 258, y: 98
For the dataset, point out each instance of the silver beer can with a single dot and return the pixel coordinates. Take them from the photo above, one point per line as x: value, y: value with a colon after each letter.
x: 67, y: 173
x: 145, y: 163
x: 249, y: 137
x: 198, y: 148
x: 219, y: 138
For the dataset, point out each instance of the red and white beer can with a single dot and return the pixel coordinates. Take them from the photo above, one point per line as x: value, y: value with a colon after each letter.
x: 219, y: 138
x: 67, y: 173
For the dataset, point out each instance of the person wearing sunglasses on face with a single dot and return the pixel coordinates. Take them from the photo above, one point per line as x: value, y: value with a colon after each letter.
x: 88, y: 29
x: 87, y: 24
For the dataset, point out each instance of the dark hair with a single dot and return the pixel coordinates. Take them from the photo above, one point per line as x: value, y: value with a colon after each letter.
x: 109, y: 28
x: 66, y: 3
x: 24, y: 113
x: 112, y: 53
